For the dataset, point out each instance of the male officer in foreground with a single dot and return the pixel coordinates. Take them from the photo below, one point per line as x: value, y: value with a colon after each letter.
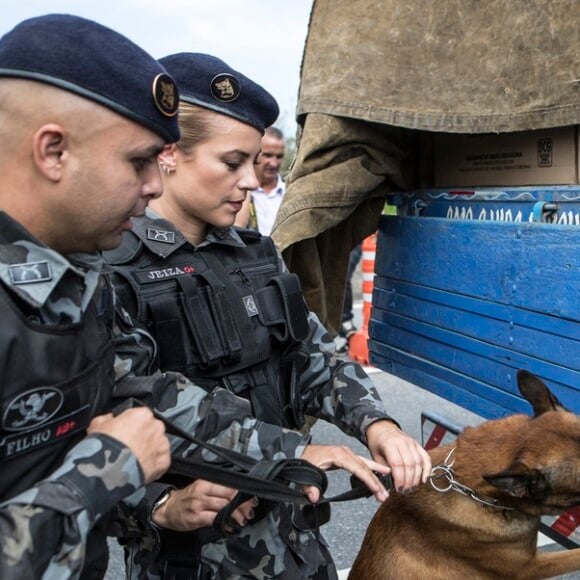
x: 80, y: 135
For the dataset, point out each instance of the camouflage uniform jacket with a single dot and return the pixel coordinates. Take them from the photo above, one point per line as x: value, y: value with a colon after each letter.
x: 43, y: 530
x: 337, y: 391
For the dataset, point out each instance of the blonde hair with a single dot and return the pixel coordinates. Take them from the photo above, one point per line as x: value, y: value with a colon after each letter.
x: 195, y: 125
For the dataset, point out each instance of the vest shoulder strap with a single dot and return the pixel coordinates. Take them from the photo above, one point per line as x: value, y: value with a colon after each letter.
x: 129, y: 249
x: 249, y: 236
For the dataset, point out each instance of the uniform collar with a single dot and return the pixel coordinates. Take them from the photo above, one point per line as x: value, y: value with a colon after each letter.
x: 157, y: 234
x: 163, y: 238
x: 32, y: 270
x: 224, y: 237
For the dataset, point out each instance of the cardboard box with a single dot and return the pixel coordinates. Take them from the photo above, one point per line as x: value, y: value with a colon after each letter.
x: 542, y: 157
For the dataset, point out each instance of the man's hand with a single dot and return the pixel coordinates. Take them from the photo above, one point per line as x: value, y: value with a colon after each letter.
x: 143, y: 434
x: 197, y: 505
x: 409, y: 462
x: 329, y: 457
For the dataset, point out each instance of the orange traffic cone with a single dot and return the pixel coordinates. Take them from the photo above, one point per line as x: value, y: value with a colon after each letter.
x: 358, y: 348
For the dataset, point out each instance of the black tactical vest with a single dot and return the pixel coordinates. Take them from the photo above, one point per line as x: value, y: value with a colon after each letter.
x: 222, y: 314
x: 53, y: 380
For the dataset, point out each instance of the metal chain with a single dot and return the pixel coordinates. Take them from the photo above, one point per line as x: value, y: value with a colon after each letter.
x: 446, y: 472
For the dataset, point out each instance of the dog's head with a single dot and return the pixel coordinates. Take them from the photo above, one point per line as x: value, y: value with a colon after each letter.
x: 545, y: 474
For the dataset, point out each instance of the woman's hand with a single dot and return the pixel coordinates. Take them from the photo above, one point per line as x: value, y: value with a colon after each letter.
x: 197, y: 505
x: 409, y: 462
x: 329, y: 457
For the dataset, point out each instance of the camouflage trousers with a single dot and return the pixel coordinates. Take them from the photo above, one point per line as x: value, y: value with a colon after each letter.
x: 292, y: 571
x: 270, y: 548
x: 279, y: 545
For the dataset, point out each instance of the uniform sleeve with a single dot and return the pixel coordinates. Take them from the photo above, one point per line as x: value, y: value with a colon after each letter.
x: 336, y: 390
x: 43, y: 530
x: 218, y: 417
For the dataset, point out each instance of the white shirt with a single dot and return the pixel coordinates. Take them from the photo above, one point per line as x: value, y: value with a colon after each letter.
x: 266, y: 206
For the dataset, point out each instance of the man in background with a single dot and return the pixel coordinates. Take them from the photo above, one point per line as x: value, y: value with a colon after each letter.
x: 262, y: 205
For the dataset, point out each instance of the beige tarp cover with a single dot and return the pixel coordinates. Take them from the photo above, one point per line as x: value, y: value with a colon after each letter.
x: 375, y: 72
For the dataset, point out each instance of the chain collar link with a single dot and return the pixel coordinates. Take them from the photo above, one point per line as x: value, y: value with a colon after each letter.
x: 443, y: 479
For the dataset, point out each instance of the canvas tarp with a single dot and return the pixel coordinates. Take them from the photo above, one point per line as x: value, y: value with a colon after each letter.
x: 376, y: 72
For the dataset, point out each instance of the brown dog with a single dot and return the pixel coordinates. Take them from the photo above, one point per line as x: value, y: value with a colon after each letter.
x: 518, y: 468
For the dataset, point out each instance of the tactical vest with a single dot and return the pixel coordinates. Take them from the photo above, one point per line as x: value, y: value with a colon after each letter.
x: 53, y: 380
x: 222, y: 315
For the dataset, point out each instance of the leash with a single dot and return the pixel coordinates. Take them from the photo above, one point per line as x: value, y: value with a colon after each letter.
x: 446, y: 472
x: 274, y: 480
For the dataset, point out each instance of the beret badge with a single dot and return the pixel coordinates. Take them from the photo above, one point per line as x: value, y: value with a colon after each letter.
x: 225, y: 88
x: 165, y: 94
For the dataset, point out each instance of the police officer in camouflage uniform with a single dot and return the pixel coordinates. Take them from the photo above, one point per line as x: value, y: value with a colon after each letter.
x: 65, y: 461
x: 83, y: 114
x: 226, y: 313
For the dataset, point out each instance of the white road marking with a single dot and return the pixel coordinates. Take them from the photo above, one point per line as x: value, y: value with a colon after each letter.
x: 544, y: 540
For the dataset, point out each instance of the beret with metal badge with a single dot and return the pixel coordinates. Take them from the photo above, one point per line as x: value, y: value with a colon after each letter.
x: 95, y: 62
x: 209, y: 82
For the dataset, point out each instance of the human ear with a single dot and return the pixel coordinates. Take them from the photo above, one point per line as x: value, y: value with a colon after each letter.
x: 167, y: 159
x: 49, y: 150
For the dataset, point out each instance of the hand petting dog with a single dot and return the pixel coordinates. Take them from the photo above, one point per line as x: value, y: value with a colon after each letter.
x: 410, y: 464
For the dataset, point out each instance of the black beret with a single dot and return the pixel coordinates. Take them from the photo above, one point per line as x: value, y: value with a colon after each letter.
x: 209, y: 82
x: 95, y: 62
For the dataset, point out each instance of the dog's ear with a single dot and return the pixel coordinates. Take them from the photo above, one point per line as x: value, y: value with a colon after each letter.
x: 537, y: 394
x: 520, y: 481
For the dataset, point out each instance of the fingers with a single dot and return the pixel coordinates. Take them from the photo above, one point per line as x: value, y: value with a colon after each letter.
x: 98, y: 421
x: 409, y: 462
x: 198, y: 504
x: 246, y: 511
x: 243, y: 514
x: 209, y: 490
x: 362, y: 468
x: 329, y: 457
x: 312, y: 493
x: 139, y: 430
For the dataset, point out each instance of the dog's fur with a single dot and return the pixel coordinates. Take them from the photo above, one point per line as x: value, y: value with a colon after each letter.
x: 529, y: 464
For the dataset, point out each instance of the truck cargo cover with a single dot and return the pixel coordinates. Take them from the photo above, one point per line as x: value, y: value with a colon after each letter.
x: 374, y: 73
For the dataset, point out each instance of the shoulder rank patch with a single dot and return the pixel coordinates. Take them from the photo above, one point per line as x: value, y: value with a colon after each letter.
x: 164, y: 236
x: 30, y: 272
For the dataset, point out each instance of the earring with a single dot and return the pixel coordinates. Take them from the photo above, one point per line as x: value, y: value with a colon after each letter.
x: 166, y: 168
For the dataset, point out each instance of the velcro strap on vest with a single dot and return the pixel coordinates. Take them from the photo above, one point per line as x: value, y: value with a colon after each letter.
x: 281, y: 302
x: 240, y: 381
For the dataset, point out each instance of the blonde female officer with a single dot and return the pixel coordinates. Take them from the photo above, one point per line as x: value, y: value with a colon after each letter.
x: 225, y: 312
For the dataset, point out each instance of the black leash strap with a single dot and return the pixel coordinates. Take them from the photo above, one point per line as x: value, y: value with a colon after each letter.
x: 279, y: 480
x: 268, y: 479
